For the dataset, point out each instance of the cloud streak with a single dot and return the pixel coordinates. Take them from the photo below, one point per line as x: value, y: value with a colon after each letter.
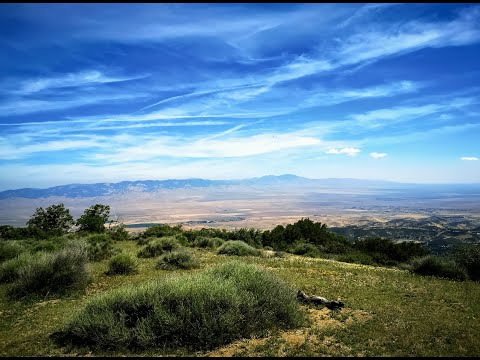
x: 347, y: 151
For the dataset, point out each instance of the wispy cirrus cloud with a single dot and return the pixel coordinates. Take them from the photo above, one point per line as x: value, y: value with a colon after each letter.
x: 410, y: 36
x: 347, y: 151
x: 10, y: 152
x: 469, y: 158
x: 169, y: 83
x: 71, y: 80
x: 387, y: 116
x: 209, y: 147
x: 21, y: 106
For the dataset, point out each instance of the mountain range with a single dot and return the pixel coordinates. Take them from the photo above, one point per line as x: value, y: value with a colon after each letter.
x: 103, y: 189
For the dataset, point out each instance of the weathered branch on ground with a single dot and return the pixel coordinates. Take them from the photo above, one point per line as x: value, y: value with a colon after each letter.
x: 318, y: 300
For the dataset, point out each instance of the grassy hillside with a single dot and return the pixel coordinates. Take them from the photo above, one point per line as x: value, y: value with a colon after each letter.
x: 387, y: 311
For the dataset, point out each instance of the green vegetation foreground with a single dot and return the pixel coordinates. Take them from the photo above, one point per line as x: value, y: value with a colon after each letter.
x: 403, y: 314
x: 99, y: 291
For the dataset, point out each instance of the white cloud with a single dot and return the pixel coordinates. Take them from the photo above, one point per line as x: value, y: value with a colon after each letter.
x: 71, y: 80
x: 376, y: 155
x: 208, y: 148
x: 10, y: 151
x: 411, y: 36
x: 469, y: 158
x: 329, y: 97
x: 346, y: 151
x: 27, y: 106
x: 383, y: 117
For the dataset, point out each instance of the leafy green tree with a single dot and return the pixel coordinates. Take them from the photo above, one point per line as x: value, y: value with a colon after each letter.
x: 94, y: 218
x: 53, y: 221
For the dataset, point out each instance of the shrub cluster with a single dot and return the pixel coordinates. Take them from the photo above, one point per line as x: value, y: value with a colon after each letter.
x: 10, y: 249
x: 468, y: 257
x: 100, y: 247
x: 356, y: 257
x: 161, y: 231
x: 208, y: 242
x: 305, y: 249
x: 238, y: 248
x: 159, y: 246
x: 122, y: 264
x: 10, y: 269
x: 51, y: 273
x: 437, y: 266
x: 387, y: 252
x: 194, y: 311
x: 177, y: 259
x: 118, y: 232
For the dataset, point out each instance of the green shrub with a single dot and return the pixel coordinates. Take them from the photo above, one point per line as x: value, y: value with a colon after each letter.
x: 10, y: 249
x: 178, y: 259
x: 468, y: 257
x: 208, y: 242
x: 159, y: 246
x: 437, y: 266
x: 100, y: 247
x: 161, y: 231
x: 306, y: 250
x: 268, y: 248
x: 9, y: 269
x: 237, y: 248
x: 52, y: 273
x: 279, y: 254
x: 182, y: 239
x: 49, y: 245
x: 195, y: 311
x: 118, y: 232
x: 122, y: 264
x: 144, y: 241
x: 356, y: 257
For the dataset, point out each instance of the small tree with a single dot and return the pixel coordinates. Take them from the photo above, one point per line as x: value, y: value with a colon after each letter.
x: 52, y: 221
x: 94, y: 218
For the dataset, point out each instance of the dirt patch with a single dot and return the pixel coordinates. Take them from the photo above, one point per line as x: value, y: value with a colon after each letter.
x: 230, y: 349
x: 310, y: 336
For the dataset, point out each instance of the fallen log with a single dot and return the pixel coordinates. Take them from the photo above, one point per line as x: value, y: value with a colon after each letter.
x: 318, y: 300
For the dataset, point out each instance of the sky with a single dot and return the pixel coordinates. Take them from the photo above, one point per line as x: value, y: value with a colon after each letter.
x: 110, y: 92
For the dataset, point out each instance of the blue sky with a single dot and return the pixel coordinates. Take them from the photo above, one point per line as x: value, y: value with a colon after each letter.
x: 110, y: 92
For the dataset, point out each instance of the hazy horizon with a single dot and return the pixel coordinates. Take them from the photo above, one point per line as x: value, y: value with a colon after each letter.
x: 103, y: 93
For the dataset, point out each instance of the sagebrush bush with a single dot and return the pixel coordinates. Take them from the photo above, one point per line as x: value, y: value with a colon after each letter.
x: 159, y: 246
x: 10, y: 249
x: 182, y: 239
x: 122, y: 264
x: 100, y: 247
x: 238, y: 248
x: 144, y: 241
x: 161, y: 231
x: 53, y: 273
x: 194, y: 311
x: 9, y: 269
x: 305, y: 249
x: 208, y: 242
x: 437, y: 266
x: 54, y: 244
x: 177, y: 259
